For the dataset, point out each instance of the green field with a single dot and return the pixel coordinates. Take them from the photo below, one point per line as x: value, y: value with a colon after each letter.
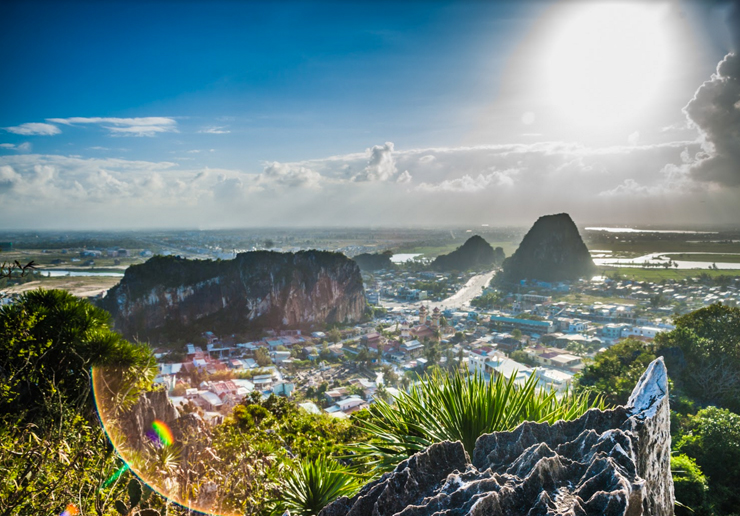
x: 657, y: 275
x: 639, y: 248
x: 709, y: 258
x: 44, y: 260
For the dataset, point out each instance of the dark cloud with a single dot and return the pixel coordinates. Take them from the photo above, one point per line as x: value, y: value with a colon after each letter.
x: 715, y: 110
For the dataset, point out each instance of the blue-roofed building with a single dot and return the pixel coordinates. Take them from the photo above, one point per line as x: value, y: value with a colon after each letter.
x: 528, y: 325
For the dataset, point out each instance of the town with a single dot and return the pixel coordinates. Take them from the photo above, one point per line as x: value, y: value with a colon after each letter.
x: 549, y: 330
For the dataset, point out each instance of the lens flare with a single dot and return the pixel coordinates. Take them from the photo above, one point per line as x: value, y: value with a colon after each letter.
x: 163, y: 432
x: 145, y: 441
x: 70, y: 510
x: 114, y: 476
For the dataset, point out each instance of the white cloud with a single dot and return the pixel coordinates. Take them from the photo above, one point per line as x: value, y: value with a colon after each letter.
x: 404, y: 177
x: 470, y: 184
x: 290, y: 175
x: 34, y: 128
x: 141, y: 126
x: 214, y: 130
x: 23, y: 147
x: 634, y: 138
x: 715, y: 110
x: 381, y: 166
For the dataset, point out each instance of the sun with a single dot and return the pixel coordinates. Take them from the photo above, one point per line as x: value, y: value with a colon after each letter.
x: 606, y: 61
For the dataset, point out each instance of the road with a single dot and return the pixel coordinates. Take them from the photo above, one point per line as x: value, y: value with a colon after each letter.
x: 460, y: 299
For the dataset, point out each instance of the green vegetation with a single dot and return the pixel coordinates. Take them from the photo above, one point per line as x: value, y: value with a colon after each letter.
x: 690, y: 484
x: 489, y: 300
x: 457, y: 408
x: 53, y: 450
x: 712, y: 439
x: 703, y: 355
x: 709, y: 258
x: 615, y: 372
x: 313, y: 484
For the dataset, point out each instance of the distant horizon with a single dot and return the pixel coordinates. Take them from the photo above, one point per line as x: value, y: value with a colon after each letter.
x: 225, y: 114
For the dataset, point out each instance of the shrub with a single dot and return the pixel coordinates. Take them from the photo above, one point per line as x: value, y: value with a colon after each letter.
x: 458, y: 408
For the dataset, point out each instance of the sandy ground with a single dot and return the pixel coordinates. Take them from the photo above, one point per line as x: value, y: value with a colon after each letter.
x: 83, y: 286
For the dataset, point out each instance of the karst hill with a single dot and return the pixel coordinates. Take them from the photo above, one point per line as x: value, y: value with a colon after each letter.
x: 552, y: 250
x: 475, y: 253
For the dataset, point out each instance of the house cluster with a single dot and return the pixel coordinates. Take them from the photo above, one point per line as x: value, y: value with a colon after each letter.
x: 402, y: 286
x: 693, y: 293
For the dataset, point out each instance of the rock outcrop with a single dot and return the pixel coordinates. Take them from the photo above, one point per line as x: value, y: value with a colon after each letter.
x: 474, y: 253
x: 374, y: 261
x: 611, y: 462
x: 552, y: 250
x: 170, y: 295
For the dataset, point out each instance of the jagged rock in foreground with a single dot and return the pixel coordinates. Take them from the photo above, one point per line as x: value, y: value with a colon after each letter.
x: 552, y: 250
x: 611, y: 462
x: 474, y: 253
x: 260, y: 288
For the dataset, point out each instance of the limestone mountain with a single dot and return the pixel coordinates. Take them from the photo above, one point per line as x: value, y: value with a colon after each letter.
x: 552, y: 250
x: 374, y: 261
x: 171, y: 295
x: 474, y: 253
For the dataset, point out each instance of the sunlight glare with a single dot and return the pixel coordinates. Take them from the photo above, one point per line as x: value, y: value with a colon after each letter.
x: 607, y: 61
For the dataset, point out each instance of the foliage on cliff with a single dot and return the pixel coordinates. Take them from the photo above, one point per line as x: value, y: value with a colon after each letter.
x: 552, y: 250
x: 475, y: 253
x: 374, y: 261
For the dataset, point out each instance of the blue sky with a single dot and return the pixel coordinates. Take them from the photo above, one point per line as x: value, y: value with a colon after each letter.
x: 120, y: 114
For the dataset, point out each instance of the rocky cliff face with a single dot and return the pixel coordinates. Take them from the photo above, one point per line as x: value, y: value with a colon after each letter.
x: 255, y: 289
x: 612, y: 462
x: 552, y: 250
x: 474, y: 253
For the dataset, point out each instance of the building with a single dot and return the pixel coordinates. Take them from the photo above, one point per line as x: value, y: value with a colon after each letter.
x: 528, y: 325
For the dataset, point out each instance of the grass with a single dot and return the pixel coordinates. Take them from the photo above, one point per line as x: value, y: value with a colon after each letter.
x: 657, y: 275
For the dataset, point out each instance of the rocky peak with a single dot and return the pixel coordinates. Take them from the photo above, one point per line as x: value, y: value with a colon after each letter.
x: 474, y: 253
x: 552, y: 250
x: 610, y: 462
x: 256, y: 289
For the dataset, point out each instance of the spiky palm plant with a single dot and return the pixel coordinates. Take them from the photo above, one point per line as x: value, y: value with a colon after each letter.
x: 311, y: 485
x: 459, y: 408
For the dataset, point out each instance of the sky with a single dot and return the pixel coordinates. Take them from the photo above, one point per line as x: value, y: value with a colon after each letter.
x: 188, y: 114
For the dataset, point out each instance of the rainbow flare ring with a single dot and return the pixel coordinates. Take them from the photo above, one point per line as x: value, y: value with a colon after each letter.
x: 71, y: 510
x: 163, y: 432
